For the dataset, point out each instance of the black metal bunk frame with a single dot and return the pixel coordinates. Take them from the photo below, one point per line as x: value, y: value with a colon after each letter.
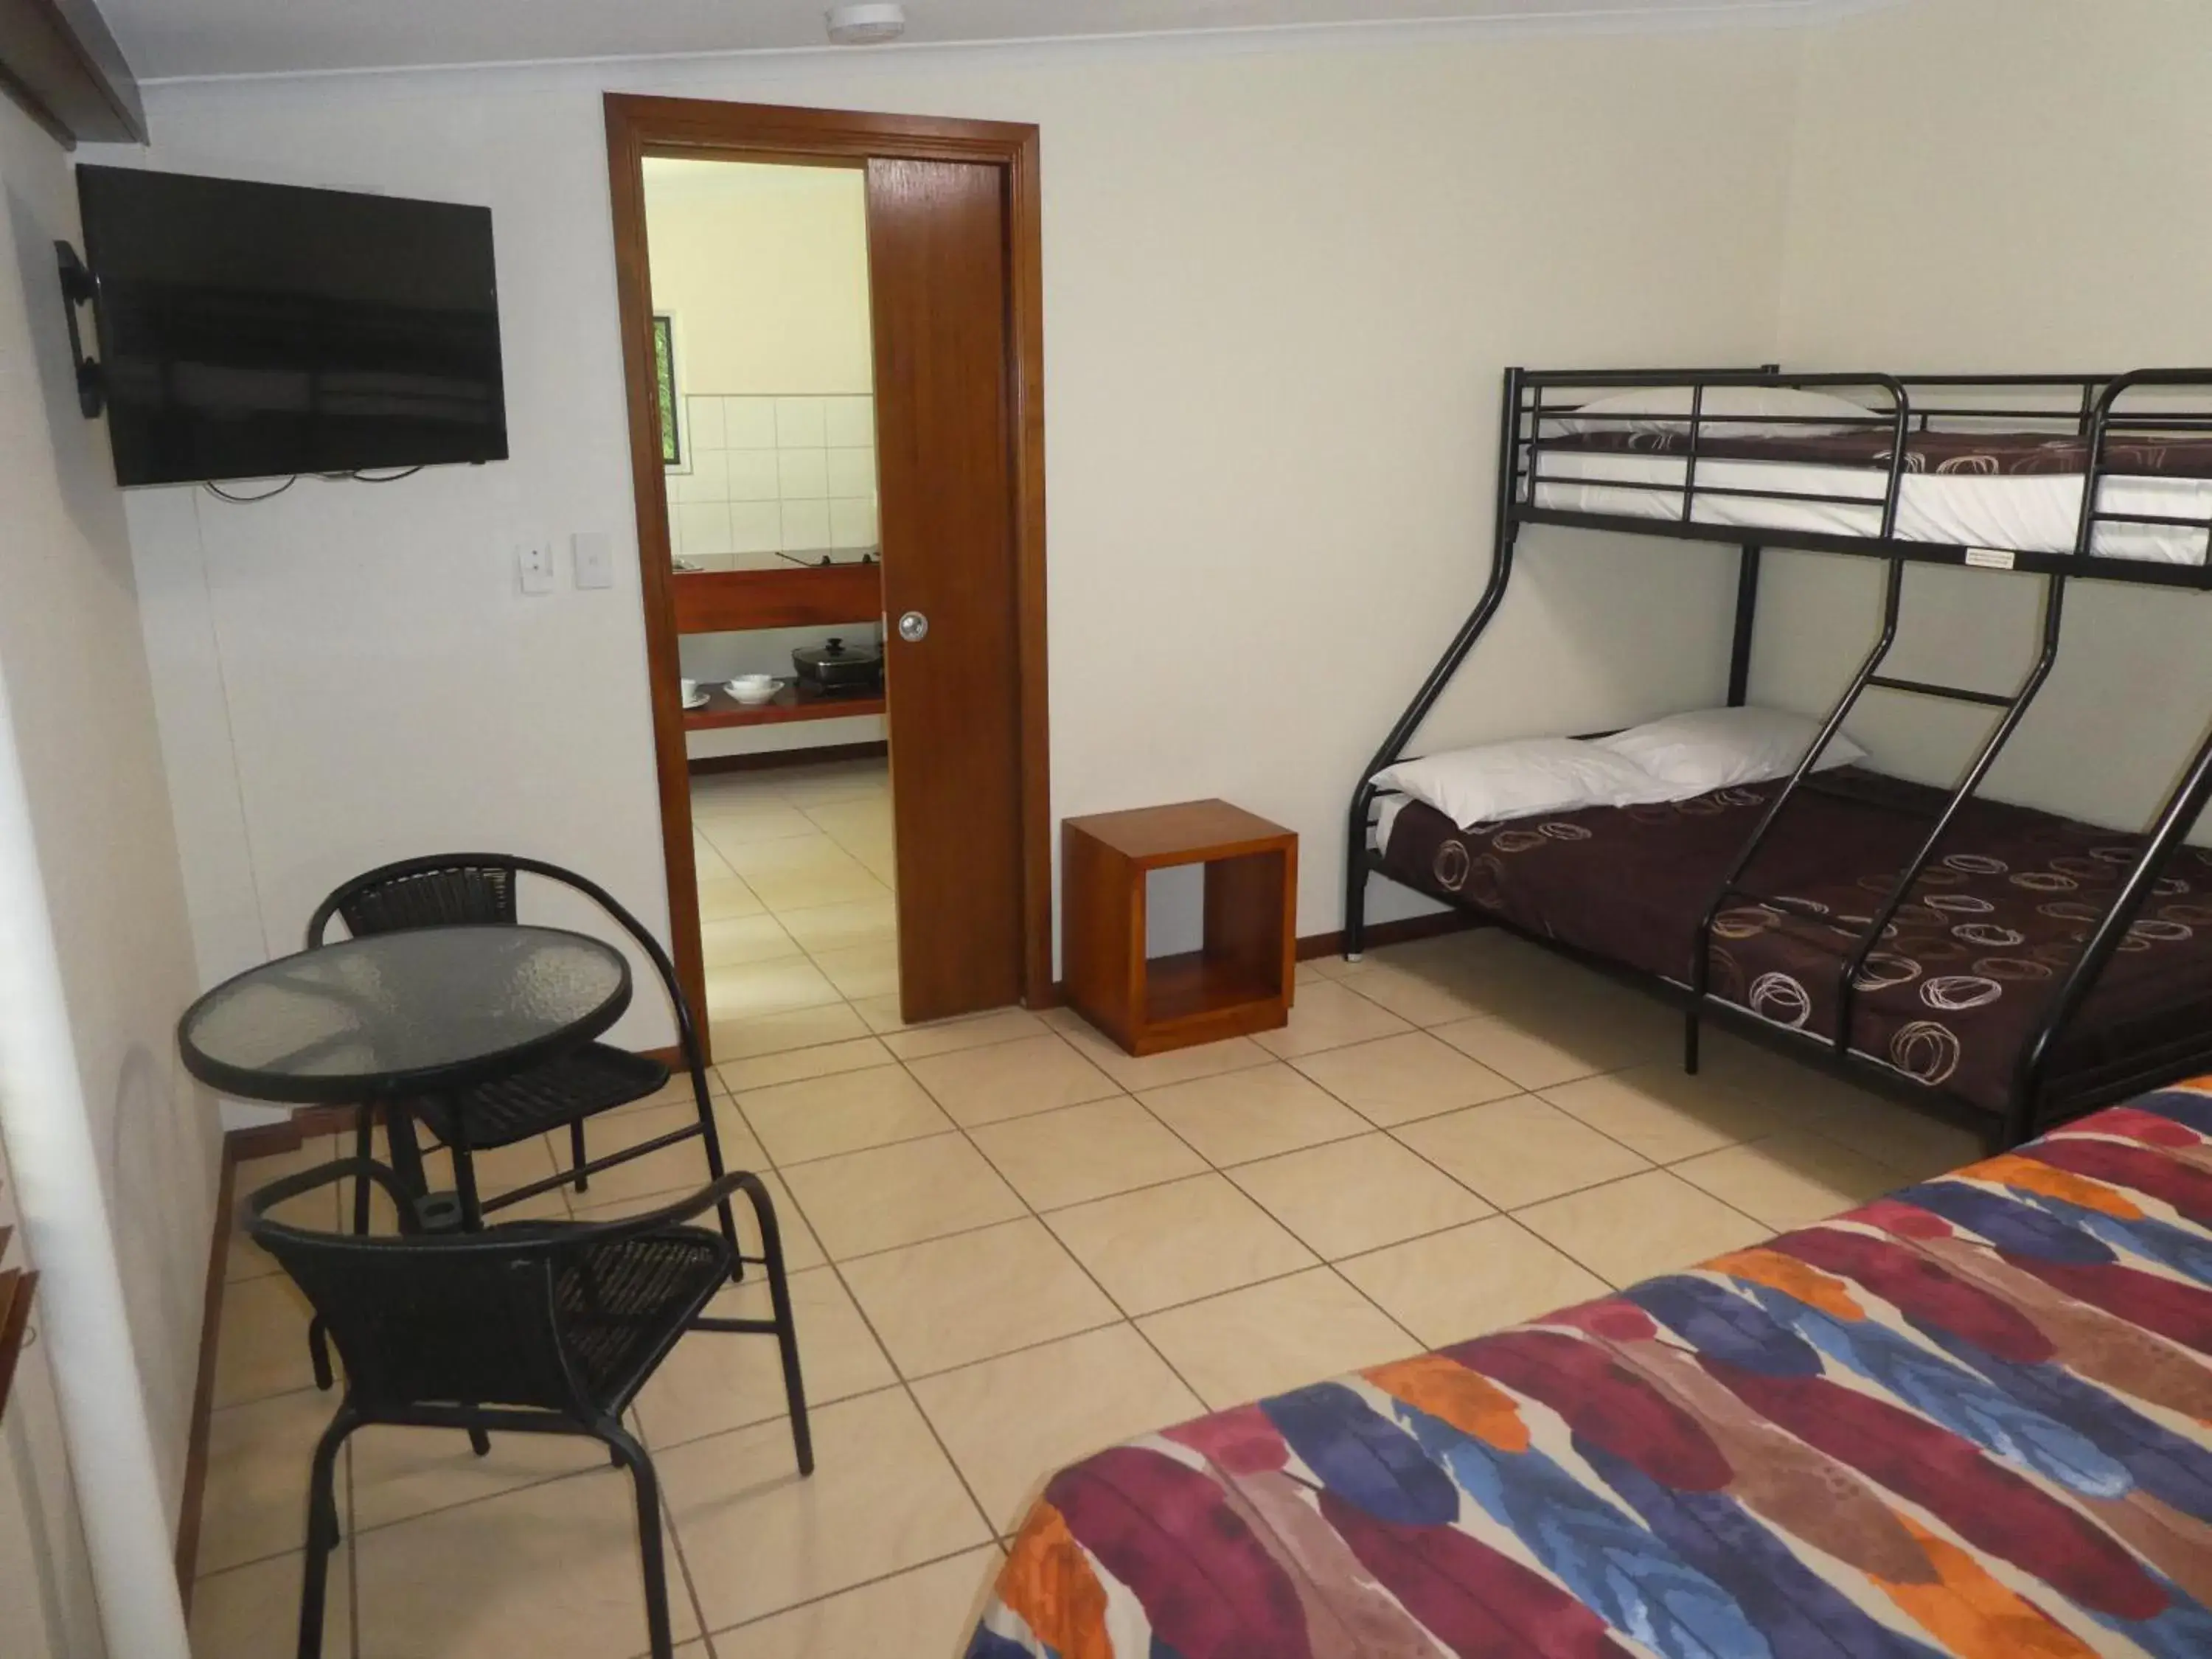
x: 2094, y: 415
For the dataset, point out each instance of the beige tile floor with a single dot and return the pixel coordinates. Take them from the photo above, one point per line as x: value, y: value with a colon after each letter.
x: 1013, y: 1244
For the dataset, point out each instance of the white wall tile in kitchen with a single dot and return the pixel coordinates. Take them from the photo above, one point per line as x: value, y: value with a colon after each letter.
x: 848, y: 423
x: 707, y: 481
x: 853, y: 521
x: 703, y: 422
x: 751, y: 474
x: 805, y: 525
x: 802, y: 475
x: 748, y: 423
x: 706, y: 526
x: 755, y: 527
x: 852, y: 472
x: 798, y: 422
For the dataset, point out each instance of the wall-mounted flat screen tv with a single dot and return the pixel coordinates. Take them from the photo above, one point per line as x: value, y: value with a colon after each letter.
x: 249, y: 331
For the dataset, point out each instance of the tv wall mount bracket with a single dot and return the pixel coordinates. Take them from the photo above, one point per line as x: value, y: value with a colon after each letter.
x: 79, y: 287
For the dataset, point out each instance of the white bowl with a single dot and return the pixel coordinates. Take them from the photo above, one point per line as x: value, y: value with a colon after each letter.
x: 752, y: 692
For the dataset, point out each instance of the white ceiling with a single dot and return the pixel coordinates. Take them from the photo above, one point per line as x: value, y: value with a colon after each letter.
x: 167, y: 38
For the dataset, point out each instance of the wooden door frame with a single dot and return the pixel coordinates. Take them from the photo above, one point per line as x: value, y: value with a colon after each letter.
x: 639, y: 126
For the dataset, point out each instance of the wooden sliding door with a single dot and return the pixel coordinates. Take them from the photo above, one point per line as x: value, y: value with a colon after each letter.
x: 954, y: 290
x: 936, y: 273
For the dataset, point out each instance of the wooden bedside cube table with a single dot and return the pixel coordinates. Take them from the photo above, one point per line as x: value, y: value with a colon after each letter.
x: 1241, y: 980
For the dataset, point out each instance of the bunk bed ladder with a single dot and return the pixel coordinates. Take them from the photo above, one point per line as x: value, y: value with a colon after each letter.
x: 2015, y: 707
x: 1870, y: 677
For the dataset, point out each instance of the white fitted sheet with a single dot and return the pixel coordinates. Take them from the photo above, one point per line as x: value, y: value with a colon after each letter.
x: 2023, y: 513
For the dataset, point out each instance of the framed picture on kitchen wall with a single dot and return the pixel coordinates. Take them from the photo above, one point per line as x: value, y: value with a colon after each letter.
x: 664, y: 363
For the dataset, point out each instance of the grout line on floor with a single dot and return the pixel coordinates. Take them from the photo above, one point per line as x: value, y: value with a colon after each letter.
x: 883, y: 1348
x: 995, y: 1540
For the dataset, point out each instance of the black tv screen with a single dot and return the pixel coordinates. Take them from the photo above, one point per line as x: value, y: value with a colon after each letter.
x: 249, y: 330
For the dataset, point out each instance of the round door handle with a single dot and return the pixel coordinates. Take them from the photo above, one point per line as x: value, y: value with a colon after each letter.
x: 913, y: 627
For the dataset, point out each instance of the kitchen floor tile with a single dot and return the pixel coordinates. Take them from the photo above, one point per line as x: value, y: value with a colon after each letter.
x: 751, y: 989
x: 773, y: 1034
x: 792, y: 1065
x: 869, y: 968
x: 726, y: 896
x: 860, y: 921
x: 736, y: 940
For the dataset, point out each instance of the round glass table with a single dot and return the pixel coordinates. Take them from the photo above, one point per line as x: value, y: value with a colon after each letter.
x: 394, y: 1017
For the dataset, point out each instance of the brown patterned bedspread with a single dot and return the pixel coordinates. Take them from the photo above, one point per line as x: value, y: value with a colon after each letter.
x: 1993, y: 452
x: 1956, y: 984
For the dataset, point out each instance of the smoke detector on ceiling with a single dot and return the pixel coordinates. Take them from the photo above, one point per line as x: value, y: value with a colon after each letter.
x: 865, y: 25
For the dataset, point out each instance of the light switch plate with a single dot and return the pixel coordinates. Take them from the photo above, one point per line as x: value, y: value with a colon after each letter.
x: 533, y: 564
x: 595, y: 558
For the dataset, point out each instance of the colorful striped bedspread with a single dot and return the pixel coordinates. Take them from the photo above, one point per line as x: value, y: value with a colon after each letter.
x: 1971, y: 1418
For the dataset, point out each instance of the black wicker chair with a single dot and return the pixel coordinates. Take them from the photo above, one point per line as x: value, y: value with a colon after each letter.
x: 540, y: 1326
x: 452, y: 889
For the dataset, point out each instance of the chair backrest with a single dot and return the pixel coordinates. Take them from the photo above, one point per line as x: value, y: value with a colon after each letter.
x: 431, y: 1319
x: 448, y: 890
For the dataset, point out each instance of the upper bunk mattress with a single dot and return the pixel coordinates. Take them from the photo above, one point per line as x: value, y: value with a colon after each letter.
x: 1957, y: 984
x: 2019, y: 492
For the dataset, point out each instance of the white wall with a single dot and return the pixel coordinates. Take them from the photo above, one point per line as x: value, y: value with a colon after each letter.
x: 1279, y: 286
x: 766, y: 271
x: 113, y: 1151
x: 1984, y: 186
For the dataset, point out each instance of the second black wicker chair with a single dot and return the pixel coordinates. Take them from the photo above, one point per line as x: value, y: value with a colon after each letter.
x: 457, y: 888
x: 548, y: 1328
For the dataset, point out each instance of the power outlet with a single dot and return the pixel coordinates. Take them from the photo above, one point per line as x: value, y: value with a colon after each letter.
x: 594, y: 551
x: 533, y: 564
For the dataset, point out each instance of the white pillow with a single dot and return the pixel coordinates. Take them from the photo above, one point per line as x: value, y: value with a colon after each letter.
x: 1667, y: 409
x: 1712, y: 748
x: 1496, y: 780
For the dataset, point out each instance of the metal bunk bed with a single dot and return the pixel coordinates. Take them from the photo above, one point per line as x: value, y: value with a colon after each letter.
x: 2086, y: 408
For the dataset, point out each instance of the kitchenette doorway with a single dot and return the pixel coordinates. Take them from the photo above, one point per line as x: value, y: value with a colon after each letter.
x: 830, y: 329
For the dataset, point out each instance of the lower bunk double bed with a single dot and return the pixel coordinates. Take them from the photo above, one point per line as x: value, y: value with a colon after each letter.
x: 1973, y: 1418
x: 1961, y: 979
